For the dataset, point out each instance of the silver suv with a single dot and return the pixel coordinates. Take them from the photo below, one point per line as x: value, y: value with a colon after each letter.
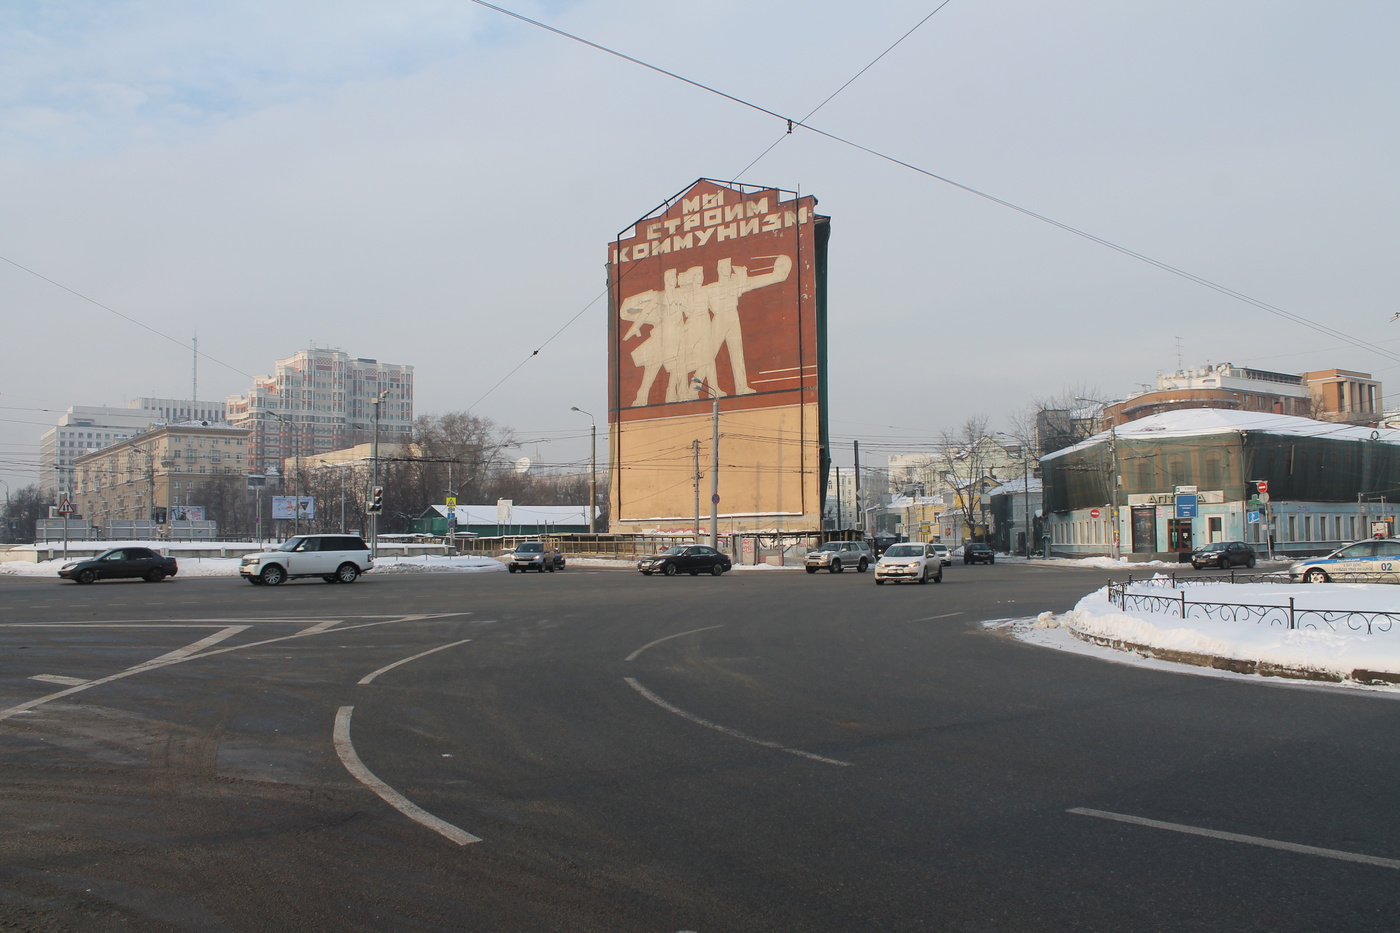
x: 333, y: 558
x: 836, y: 556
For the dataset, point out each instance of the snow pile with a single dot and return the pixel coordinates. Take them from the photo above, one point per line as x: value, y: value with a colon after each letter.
x: 1245, y: 646
x: 436, y: 563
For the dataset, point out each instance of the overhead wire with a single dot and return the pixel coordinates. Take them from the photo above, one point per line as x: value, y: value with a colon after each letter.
x: 1035, y: 215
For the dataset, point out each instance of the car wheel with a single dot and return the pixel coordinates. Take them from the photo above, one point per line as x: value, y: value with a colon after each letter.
x: 811, y: 569
x: 273, y: 576
x: 1249, y: 564
x: 991, y: 560
x: 716, y: 570
x: 1316, y: 576
x: 836, y: 566
x: 510, y: 567
x: 879, y: 582
x: 155, y: 575
x: 670, y: 570
x: 347, y: 573
x: 1224, y: 562
x: 862, y: 566
x: 695, y: 573
x: 86, y: 576
x: 923, y: 577
x: 938, y: 577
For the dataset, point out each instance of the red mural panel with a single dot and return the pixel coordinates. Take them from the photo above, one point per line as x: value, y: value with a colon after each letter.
x: 714, y: 294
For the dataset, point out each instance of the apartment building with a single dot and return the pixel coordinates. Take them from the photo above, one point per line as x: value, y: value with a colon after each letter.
x: 319, y: 400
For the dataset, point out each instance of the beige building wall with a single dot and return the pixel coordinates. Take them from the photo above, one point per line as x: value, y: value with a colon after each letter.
x: 769, y: 475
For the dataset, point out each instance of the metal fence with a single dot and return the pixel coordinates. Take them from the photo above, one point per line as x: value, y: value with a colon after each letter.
x: 1288, y: 616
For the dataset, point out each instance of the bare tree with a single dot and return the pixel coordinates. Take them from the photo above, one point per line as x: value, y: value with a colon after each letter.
x: 1055, y: 422
x: 965, y: 462
x: 22, y: 513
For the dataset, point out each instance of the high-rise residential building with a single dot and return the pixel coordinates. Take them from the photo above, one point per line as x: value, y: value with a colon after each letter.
x: 319, y: 400
x: 85, y: 428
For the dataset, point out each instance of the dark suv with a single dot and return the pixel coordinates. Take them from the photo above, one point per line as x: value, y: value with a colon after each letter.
x: 979, y: 554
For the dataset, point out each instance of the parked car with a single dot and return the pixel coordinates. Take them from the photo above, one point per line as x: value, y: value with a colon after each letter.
x: 118, y: 562
x: 686, y: 558
x: 912, y: 560
x: 1224, y: 554
x: 1376, y: 561
x: 836, y: 556
x: 333, y: 558
x: 945, y: 556
x: 979, y: 554
x: 535, y: 555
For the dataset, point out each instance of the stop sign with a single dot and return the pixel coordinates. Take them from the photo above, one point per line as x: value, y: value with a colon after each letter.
x: 1094, y: 513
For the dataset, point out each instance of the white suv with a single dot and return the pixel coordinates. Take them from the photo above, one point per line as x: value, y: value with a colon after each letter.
x: 333, y: 558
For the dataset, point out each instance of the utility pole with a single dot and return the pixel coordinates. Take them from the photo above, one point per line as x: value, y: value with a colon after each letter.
x: 837, y: 471
x: 696, y: 445
x: 592, y: 473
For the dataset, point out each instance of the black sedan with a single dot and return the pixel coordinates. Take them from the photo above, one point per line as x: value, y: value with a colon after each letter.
x: 979, y: 554
x: 688, y: 558
x: 121, y: 562
x: 1224, y: 554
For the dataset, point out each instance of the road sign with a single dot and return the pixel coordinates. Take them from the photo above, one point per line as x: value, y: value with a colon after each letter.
x: 1252, y: 518
x: 1094, y: 513
x: 66, y: 508
x: 1186, y: 506
x: 451, y: 502
x: 1262, y: 485
x: 715, y: 498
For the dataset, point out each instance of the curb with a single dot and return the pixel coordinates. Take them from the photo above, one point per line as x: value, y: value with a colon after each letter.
x: 1237, y: 666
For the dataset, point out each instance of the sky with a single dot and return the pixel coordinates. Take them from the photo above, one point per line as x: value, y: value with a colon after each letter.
x: 433, y: 182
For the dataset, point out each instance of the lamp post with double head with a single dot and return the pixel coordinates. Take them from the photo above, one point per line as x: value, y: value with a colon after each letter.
x: 701, y: 386
x: 592, y: 472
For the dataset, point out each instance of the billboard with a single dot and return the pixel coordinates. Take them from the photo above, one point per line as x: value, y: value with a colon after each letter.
x: 719, y: 293
x: 285, y: 508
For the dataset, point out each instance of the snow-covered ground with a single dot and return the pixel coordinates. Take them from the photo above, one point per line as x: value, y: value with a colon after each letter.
x: 1244, y: 647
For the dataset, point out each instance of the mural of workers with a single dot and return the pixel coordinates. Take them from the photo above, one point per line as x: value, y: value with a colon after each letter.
x: 690, y: 322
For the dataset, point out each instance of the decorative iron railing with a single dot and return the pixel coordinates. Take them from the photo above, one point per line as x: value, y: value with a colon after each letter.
x: 1287, y: 615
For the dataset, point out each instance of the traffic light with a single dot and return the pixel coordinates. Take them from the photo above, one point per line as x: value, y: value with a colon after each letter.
x: 376, y: 500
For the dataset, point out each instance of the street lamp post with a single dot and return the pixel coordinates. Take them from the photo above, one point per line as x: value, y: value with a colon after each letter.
x: 592, y: 472
x: 374, y: 477
x: 700, y: 386
x: 296, y: 476
x: 1117, y: 552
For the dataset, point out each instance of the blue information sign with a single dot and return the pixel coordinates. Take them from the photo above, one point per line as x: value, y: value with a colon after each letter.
x: 1186, y: 506
x: 1252, y: 518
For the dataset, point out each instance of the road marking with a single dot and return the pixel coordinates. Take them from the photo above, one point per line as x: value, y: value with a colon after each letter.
x: 195, y: 647
x: 389, y: 667
x: 946, y: 615
x: 146, y: 666
x: 58, y: 679
x: 346, y: 750
x: 1237, y: 837
x: 320, y: 627
x: 725, y: 729
x: 649, y: 644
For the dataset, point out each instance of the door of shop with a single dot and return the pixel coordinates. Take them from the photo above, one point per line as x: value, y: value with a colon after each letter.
x: 1179, y: 536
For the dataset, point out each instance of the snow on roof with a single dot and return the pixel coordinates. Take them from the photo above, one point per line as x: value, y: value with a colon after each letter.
x: 1201, y: 422
x: 519, y: 514
x: 1017, y: 485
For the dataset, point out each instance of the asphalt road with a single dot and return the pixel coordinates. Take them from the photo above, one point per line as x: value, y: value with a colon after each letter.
x: 596, y: 750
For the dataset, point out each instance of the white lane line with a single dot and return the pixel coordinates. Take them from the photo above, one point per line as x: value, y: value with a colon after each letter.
x: 422, y: 654
x: 320, y: 627
x: 58, y: 679
x: 649, y: 644
x: 29, y: 705
x: 946, y: 615
x: 195, y: 647
x: 1237, y: 837
x: 393, y: 798
x: 632, y: 682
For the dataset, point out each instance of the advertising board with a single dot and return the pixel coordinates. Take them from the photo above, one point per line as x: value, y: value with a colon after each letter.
x: 719, y: 294
x: 284, y: 508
